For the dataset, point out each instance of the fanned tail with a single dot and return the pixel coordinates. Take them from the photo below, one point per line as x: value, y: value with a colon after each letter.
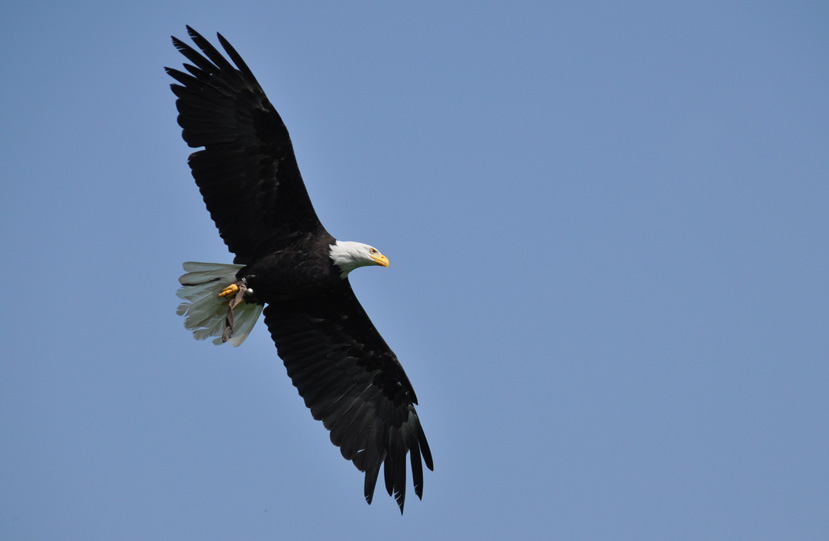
x: 205, y: 312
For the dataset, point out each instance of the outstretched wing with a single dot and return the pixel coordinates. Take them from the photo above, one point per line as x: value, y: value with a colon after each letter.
x: 354, y: 384
x: 247, y: 171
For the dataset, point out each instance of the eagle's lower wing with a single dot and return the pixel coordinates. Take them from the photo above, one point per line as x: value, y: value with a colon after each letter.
x: 354, y: 384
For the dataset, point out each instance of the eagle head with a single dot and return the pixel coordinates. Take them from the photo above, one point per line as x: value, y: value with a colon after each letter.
x: 348, y: 255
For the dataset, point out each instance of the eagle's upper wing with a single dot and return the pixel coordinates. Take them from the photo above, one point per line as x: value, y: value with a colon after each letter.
x: 247, y: 171
x: 354, y: 384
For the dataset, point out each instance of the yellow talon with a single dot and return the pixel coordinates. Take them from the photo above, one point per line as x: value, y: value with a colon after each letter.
x: 229, y: 291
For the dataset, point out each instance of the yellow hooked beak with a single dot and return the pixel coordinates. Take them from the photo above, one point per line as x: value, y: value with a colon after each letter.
x: 380, y: 259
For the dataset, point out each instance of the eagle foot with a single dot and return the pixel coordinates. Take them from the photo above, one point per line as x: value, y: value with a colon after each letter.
x: 229, y: 291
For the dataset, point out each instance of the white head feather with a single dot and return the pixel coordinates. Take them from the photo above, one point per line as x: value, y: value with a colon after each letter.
x: 348, y: 255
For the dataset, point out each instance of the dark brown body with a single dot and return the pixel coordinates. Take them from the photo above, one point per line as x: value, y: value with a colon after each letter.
x: 303, y: 269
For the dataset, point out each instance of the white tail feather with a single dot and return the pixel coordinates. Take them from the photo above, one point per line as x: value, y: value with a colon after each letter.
x: 204, y: 311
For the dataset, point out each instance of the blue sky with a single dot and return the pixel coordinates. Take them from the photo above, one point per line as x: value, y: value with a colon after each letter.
x: 607, y: 225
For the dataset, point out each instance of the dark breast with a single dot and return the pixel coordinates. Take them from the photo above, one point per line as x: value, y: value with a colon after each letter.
x: 300, y: 270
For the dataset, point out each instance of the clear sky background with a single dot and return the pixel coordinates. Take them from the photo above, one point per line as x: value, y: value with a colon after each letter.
x: 609, y: 283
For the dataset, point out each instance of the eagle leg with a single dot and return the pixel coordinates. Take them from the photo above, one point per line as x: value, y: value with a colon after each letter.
x: 237, y: 292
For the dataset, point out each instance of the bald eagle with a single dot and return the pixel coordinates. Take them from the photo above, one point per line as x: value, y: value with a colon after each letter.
x: 287, y: 263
